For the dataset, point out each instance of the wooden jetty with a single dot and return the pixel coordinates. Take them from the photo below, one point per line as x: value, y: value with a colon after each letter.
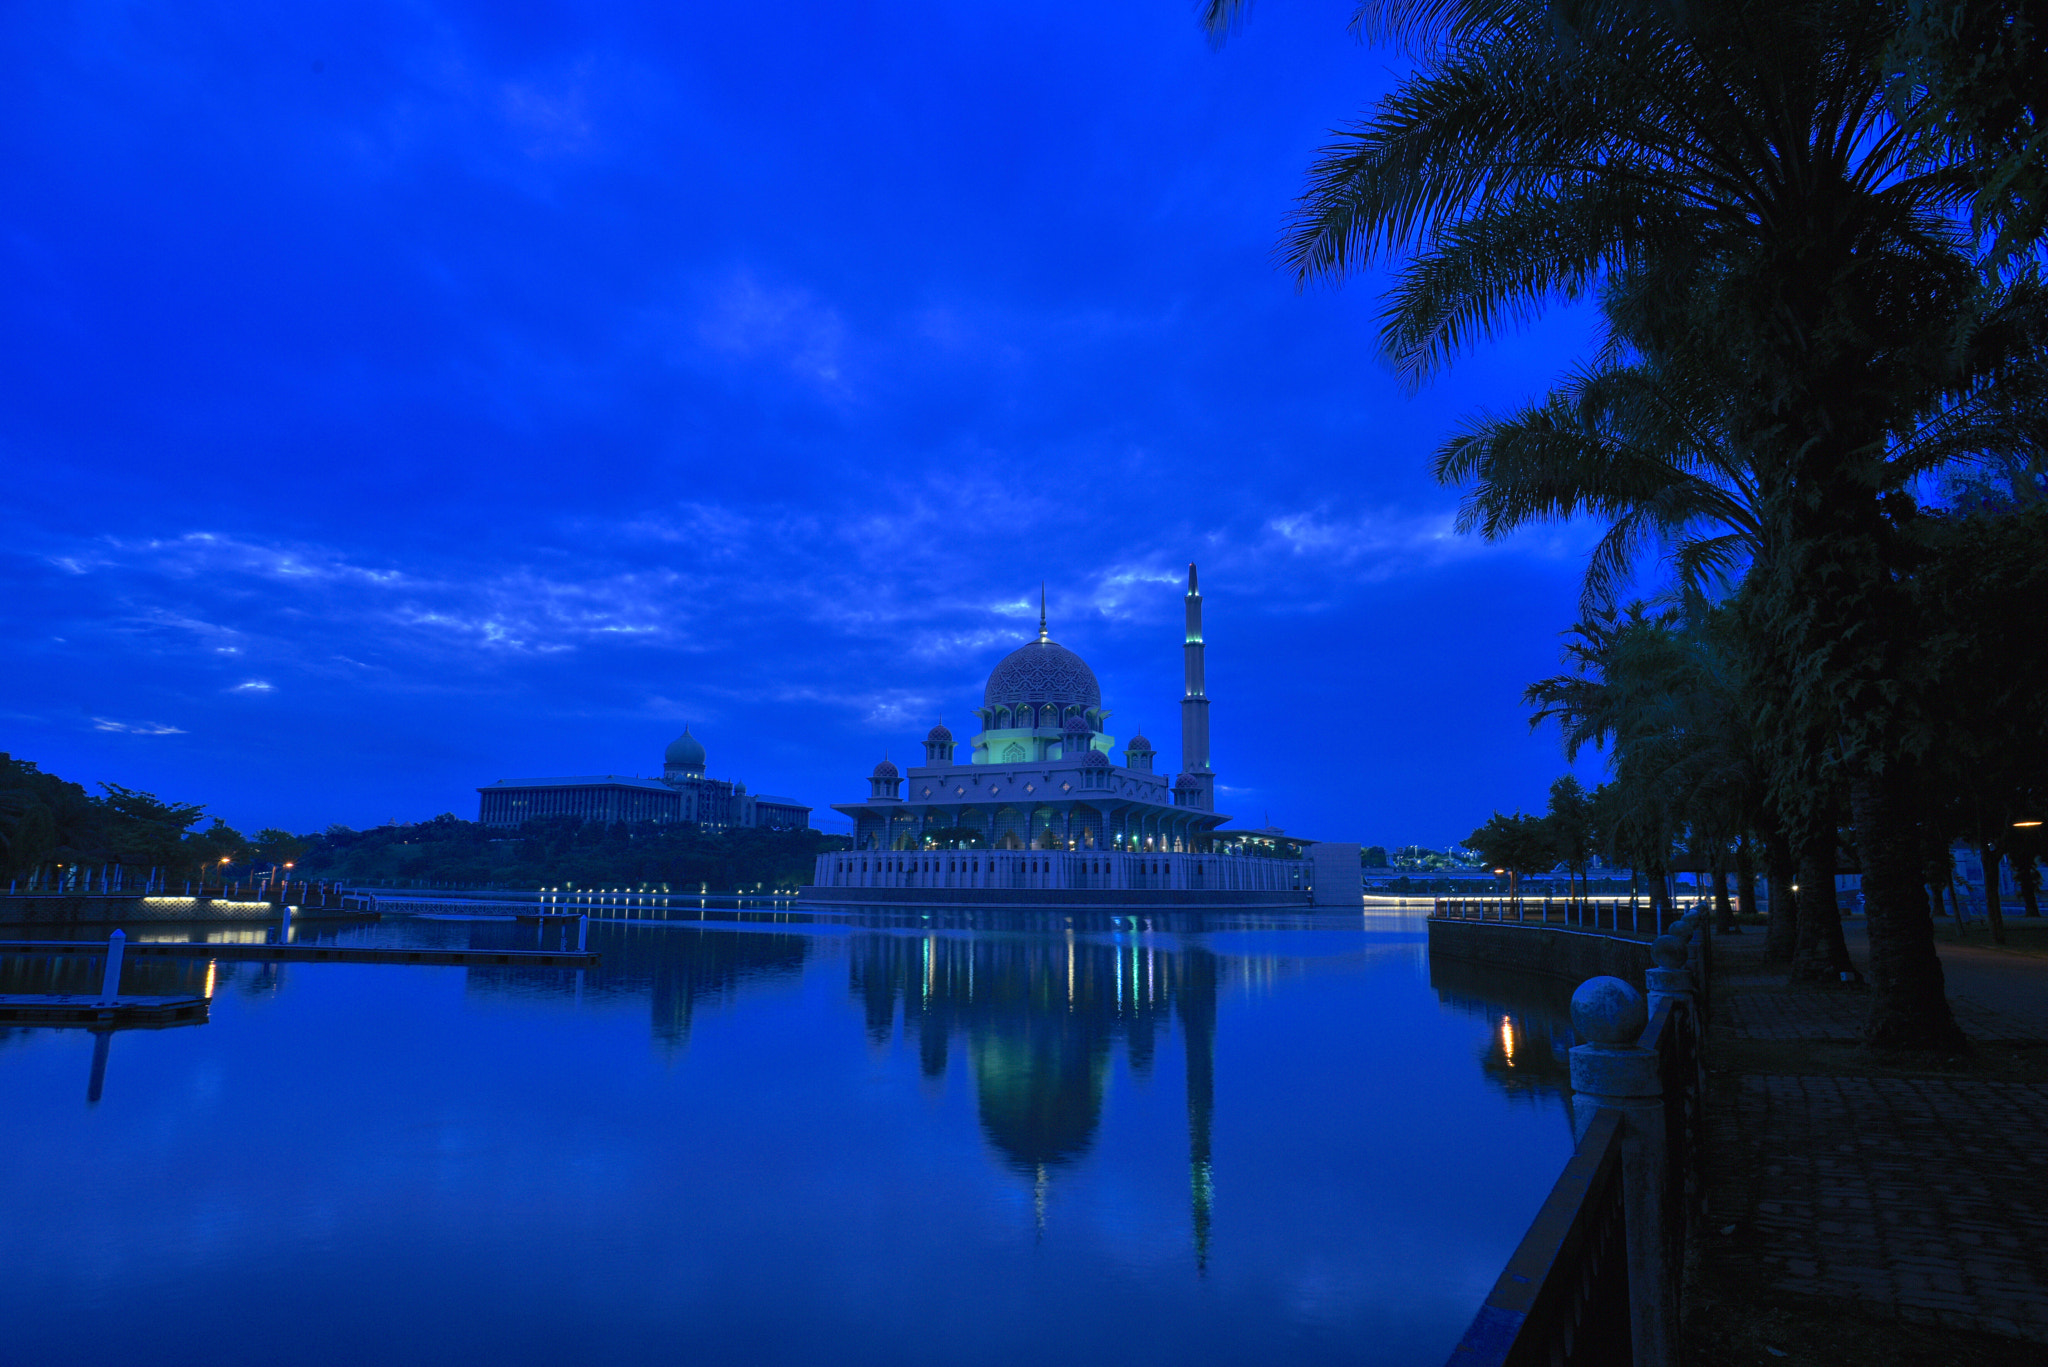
x: 313, y: 953
x: 84, y: 1008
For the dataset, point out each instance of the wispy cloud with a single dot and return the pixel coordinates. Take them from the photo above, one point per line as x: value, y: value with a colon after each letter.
x: 1374, y: 546
x: 136, y: 728
x: 747, y: 318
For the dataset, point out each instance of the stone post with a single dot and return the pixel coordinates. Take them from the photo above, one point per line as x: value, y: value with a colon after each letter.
x: 110, y: 982
x: 1612, y: 1069
x: 1669, y: 980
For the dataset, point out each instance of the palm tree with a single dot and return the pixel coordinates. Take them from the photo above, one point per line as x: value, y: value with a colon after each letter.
x: 1667, y: 695
x: 1625, y: 444
x: 1730, y: 179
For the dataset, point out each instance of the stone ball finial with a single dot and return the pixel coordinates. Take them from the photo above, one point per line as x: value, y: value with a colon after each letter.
x: 1608, y: 1011
x: 1668, y: 951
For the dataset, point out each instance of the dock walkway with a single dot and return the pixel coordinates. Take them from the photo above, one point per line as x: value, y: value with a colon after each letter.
x: 85, y: 1008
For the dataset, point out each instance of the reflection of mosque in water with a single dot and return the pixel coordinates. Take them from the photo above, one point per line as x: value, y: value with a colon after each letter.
x: 1039, y: 1018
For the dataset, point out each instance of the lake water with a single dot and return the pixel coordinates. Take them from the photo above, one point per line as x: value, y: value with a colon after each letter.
x: 1225, y: 1140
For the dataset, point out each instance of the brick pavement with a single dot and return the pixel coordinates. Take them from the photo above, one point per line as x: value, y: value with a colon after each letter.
x: 1923, y: 1198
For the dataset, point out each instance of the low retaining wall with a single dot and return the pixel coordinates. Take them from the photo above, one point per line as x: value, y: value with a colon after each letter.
x: 1051, y: 898
x: 1573, y: 955
x: 45, y: 909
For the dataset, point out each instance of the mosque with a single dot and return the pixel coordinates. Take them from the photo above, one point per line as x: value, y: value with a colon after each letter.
x: 1042, y: 811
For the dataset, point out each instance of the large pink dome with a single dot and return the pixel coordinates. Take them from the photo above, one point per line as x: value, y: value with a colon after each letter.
x: 1042, y: 672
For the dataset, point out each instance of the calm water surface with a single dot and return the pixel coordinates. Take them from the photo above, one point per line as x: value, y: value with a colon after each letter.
x: 1230, y: 1141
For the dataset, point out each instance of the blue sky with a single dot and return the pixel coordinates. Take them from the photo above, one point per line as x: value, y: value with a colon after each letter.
x: 399, y: 397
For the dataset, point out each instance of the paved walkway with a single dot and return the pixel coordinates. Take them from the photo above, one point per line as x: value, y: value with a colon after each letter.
x: 1919, y: 1196
x: 1995, y: 995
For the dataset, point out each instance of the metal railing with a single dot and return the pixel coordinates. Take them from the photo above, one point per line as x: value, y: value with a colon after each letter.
x: 113, y: 881
x: 1596, y: 1279
x: 1614, y: 915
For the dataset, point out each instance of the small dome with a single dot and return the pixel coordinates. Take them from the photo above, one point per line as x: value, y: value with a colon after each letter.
x: 1095, y: 759
x: 685, y: 752
x: 1186, y: 781
x: 1138, y: 742
x: 940, y: 733
x: 1077, y: 725
x: 887, y: 770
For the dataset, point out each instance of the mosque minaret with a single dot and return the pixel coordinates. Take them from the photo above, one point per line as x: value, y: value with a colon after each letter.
x: 1196, y: 786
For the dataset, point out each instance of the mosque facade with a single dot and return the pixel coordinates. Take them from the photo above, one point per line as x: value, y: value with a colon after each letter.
x: 1041, y: 803
x: 683, y: 794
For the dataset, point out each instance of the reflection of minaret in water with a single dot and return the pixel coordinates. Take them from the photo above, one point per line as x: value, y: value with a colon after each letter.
x: 1196, y: 1004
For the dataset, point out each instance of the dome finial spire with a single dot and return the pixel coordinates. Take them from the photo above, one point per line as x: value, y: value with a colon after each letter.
x: 1041, y: 611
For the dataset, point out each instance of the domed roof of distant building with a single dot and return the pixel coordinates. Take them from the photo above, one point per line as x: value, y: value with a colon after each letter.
x: 1077, y: 725
x: 1095, y: 759
x: 1186, y: 781
x: 887, y: 770
x: 1042, y: 672
x: 685, y: 750
x: 1138, y: 742
x: 940, y: 733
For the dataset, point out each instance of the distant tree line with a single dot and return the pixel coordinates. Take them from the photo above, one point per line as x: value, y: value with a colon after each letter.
x: 46, y: 821
x: 565, y: 852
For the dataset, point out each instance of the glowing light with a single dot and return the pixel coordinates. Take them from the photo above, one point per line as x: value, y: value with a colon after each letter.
x: 1507, y: 1039
x: 2023, y: 824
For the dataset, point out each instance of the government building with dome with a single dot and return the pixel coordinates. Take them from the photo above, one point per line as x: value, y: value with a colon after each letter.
x: 681, y: 794
x: 1042, y: 805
